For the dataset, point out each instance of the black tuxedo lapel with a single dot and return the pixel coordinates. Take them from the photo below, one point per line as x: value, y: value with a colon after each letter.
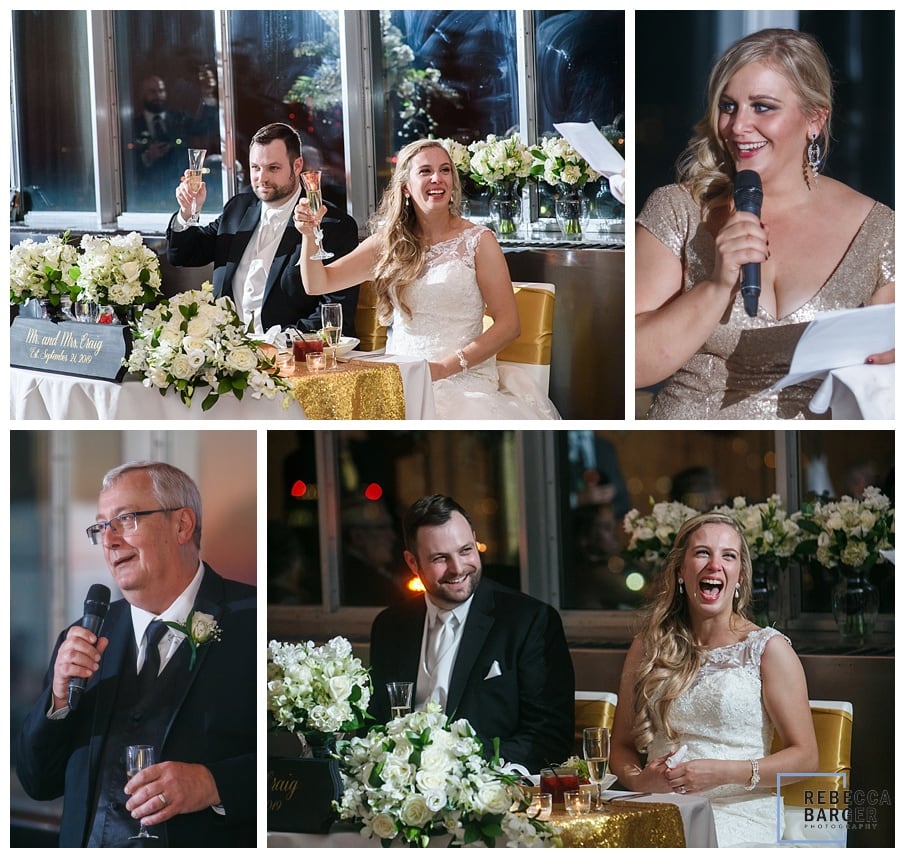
x: 477, y: 627
x: 247, y: 225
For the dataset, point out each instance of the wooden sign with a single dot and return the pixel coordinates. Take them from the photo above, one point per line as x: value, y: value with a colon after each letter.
x: 300, y: 794
x: 70, y: 348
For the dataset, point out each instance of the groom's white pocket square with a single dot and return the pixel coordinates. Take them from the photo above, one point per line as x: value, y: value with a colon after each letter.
x: 494, y: 670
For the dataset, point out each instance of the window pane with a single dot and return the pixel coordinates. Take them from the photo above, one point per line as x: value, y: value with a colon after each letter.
x: 287, y: 69
x: 609, y: 473
x: 166, y: 66
x: 380, y: 474
x: 834, y: 464
x: 471, y: 92
x: 54, y: 111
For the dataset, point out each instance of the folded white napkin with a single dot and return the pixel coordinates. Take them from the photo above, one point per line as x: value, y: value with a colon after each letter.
x: 677, y: 757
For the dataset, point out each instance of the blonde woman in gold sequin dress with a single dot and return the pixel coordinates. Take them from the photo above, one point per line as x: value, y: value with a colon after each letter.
x: 437, y: 275
x: 821, y: 245
x: 702, y: 676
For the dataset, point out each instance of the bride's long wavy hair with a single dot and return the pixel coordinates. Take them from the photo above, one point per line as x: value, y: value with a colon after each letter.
x: 705, y: 166
x: 671, y: 659
x: 401, y: 253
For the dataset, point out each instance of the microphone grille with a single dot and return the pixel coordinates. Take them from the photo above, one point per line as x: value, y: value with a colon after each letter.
x: 99, y: 594
x: 748, y: 179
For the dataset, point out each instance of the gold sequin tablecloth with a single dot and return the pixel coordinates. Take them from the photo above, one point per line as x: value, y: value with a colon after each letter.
x: 356, y: 390
x: 625, y: 825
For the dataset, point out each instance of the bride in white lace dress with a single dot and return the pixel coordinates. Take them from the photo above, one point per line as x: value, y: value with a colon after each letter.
x: 436, y: 275
x: 702, y: 676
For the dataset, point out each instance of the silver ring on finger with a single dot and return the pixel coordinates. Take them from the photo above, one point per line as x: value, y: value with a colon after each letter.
x: 162, y: 798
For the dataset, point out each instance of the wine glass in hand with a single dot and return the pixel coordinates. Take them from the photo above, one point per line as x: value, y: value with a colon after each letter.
x: 597, y: 755
x: 196, y: 171
x: 332, y: 327
x: 139, y: 757
x: 312, y: 182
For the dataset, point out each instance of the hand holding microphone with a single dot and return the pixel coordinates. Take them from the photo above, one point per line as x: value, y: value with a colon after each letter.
x: 79, y: 655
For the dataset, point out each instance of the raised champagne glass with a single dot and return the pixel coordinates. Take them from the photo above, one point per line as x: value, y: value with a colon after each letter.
x: 139, y: 757
x: 596, y: 748
x: 195, y: 180
x: 332, y: 327
x: 312, y: 182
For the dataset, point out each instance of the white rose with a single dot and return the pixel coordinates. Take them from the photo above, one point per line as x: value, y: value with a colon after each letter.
x: 431, y: 781
x: 383, y: 826
x: 242, y: 359
x: 340, y: 687
x: 203, y: 626
x: 494, y: 798
x: 415, y: 811
x: 182, y: 367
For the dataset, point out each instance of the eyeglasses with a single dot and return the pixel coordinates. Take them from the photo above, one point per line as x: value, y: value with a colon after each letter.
x: 126, y: 522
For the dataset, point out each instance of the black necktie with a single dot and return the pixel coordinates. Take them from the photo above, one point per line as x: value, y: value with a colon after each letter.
x: 149, y: 670
x: 160, y: 132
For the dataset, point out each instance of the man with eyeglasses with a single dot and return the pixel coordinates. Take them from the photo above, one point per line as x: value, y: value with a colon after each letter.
x: 173, y: 667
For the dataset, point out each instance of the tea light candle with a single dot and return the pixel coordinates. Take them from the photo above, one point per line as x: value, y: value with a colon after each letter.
x: 577, y: 802
x: 285, y: 363
x: 542, y: 805
x: 316, y: 361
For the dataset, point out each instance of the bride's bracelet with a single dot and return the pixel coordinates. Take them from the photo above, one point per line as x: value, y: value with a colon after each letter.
x: 462, y: 362
x: 755, y: 776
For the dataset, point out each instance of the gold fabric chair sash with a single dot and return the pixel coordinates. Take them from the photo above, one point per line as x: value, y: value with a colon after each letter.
x: 624, y: 825
x: 834, y: 742
x: 357, y: 390
x: 369, y: 331
x: 535, y: 343
x: 592, y: 713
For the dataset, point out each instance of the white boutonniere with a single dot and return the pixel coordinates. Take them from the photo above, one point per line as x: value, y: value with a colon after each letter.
x: 199, y: 628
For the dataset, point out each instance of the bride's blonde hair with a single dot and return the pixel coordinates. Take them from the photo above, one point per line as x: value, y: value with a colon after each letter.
x: 400, y: 252
x: 706, y: 166
x: 671, y: 659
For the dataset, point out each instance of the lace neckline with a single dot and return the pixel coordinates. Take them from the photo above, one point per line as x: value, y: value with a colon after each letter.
x: 457, y: 237
x: 742, y: 642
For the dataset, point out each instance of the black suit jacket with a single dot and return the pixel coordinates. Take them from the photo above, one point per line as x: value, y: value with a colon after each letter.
x: 529, y: 705
x: 214, y: 725
x: 286, y: 303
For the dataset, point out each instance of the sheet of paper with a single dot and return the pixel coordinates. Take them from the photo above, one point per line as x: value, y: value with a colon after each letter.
x: 841, y: 338
x: 589, y: 142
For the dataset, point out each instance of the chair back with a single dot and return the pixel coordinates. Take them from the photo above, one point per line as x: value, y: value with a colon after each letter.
x: 593, y: 709
x: 370, y: 332
x: 532, y: 350
x: 833, y: 728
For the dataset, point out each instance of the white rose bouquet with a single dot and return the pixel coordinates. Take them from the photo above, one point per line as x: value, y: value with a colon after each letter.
x: 848, y: 532
x: 197, y: 341
x: 651, y: 536
x: 118, y: 270
x: 420, y: 776
x: 43, y: 270
x: 558, y: 163
x: 317, y: 690
x: 771, y: 533
x: 500, y: 159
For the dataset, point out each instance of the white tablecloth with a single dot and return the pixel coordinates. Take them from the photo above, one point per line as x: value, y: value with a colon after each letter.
x: 697, y: 818
x: 51, y: 396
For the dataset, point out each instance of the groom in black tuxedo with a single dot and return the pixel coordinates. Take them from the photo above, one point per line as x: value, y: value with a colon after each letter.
x: 484, y: 652
x: 253, y: 244
x: 196, y: 708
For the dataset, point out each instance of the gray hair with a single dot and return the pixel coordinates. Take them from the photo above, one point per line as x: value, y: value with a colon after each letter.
x: 174, y: 489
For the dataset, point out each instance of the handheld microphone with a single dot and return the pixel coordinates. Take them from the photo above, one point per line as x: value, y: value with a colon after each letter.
x: 96, y: 604
x: 748, y: 196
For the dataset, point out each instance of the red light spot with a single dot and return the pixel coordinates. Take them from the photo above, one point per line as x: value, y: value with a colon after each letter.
x: 373, y: 492
x: 298, y: 489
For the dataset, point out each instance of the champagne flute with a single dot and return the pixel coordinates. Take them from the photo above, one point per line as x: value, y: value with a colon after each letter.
x: 597, y: 755
x: 139, y: 757
x: 312, y: 182
x: 332, y: 327
x: 196, y: 171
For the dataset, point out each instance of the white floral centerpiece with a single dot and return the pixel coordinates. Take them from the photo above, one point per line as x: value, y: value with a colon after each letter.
x: 771, y: 533
x: 194, y: 341
x: 316, y: 691
x: 45, y: 270
x: 651, y: 536
x: 119, y: 271
x: 421, y: 776
x: 500, y: 159
x: 849, y: 532
x: 557, y: 162
x: 459, y: 154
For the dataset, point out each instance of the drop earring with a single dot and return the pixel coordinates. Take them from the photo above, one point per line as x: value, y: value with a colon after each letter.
x: 813, y: 167
x: 681, y: 587
x: 738, y: 591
